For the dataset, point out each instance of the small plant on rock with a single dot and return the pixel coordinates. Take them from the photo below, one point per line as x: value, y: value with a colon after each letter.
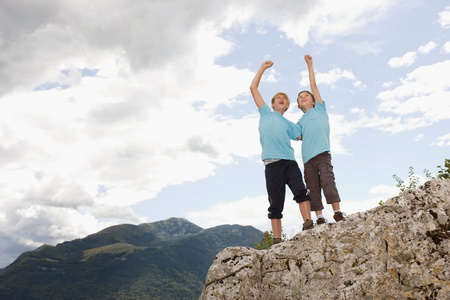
x: 413, y: 179
x: 267, y: 240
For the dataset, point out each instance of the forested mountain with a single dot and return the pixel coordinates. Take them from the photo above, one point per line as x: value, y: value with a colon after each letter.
x: 162, y: 260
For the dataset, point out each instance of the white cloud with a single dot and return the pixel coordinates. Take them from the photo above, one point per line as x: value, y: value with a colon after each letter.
x: 340, y: 128
x: 418, y: 138
x: 385, y: 191
x: 247, y: 211
x: 131, y: 33
x: 331, y: 77
x: 425, y: 49
x: 324, y: 21
x: 423, y: 91
x: 446, y: 47
x: 387, y: 124
x: 85, y: 150
x: 271, y: 75
x: 444, y: 18
x: 366, y: 47
x: 410, y: 58
x: 442, y: 141
x: 356, y: 110
x: 358, y: 84
x: 406, y: 60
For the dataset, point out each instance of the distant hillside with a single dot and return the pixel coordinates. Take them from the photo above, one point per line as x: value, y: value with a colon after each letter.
x: 162, y: 260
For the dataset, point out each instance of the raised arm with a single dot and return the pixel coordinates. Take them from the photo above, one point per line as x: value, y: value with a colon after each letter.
x: 312, y: 79
x: 259, y: 101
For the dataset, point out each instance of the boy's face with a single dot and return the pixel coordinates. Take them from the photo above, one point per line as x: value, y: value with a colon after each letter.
x: 280, y: 103
x: 305, y: 101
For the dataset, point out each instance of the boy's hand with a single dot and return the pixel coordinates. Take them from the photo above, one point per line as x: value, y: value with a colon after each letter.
x: 308, y: 59
x: 267, y: 64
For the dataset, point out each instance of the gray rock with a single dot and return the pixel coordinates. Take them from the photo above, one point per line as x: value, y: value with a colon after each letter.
x: 399, y: 250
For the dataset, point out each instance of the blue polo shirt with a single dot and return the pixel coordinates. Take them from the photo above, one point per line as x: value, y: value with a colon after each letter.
x: 314, y: 126
x: 275, y: 133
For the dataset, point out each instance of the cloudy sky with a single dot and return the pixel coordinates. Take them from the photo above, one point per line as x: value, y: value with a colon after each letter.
x: 129, y: 112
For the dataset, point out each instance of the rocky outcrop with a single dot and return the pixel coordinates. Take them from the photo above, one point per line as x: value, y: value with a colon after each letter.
x: 398, y: 250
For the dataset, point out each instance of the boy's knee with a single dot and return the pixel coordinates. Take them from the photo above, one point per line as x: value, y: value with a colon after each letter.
x: 302, y: 197
x: 275, y: 215
x: 316, y: 206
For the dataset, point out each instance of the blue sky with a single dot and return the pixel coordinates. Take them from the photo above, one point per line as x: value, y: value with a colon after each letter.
x: 113, y: 113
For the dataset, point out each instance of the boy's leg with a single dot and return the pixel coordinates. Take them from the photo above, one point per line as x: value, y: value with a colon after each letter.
x: 305, y: 210
x: 327, y: 178
x: 298, y: 188
x: 276, y: 190
x: 312, y: 180
x: 329, y: 186
x: 335, y: 206
x: 276, y: 228
x: 338, y: 214
x: 301, y: 195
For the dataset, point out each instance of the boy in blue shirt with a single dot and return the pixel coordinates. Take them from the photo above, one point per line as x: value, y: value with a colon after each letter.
x: 281, y: 167
x: 315, y: 135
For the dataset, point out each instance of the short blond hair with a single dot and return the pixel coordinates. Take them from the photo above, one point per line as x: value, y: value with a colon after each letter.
x: 283, y: 94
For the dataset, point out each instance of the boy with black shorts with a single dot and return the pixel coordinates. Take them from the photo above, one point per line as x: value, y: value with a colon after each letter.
x: 281, y: 167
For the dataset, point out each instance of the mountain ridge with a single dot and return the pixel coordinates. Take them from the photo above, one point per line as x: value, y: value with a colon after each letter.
x: 167, y: 259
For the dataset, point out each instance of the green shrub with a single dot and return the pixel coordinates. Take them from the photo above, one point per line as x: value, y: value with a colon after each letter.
x: 267, y: 240
x: 413, y: 179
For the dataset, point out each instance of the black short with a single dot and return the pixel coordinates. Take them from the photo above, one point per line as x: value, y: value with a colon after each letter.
x: 278, y: 175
